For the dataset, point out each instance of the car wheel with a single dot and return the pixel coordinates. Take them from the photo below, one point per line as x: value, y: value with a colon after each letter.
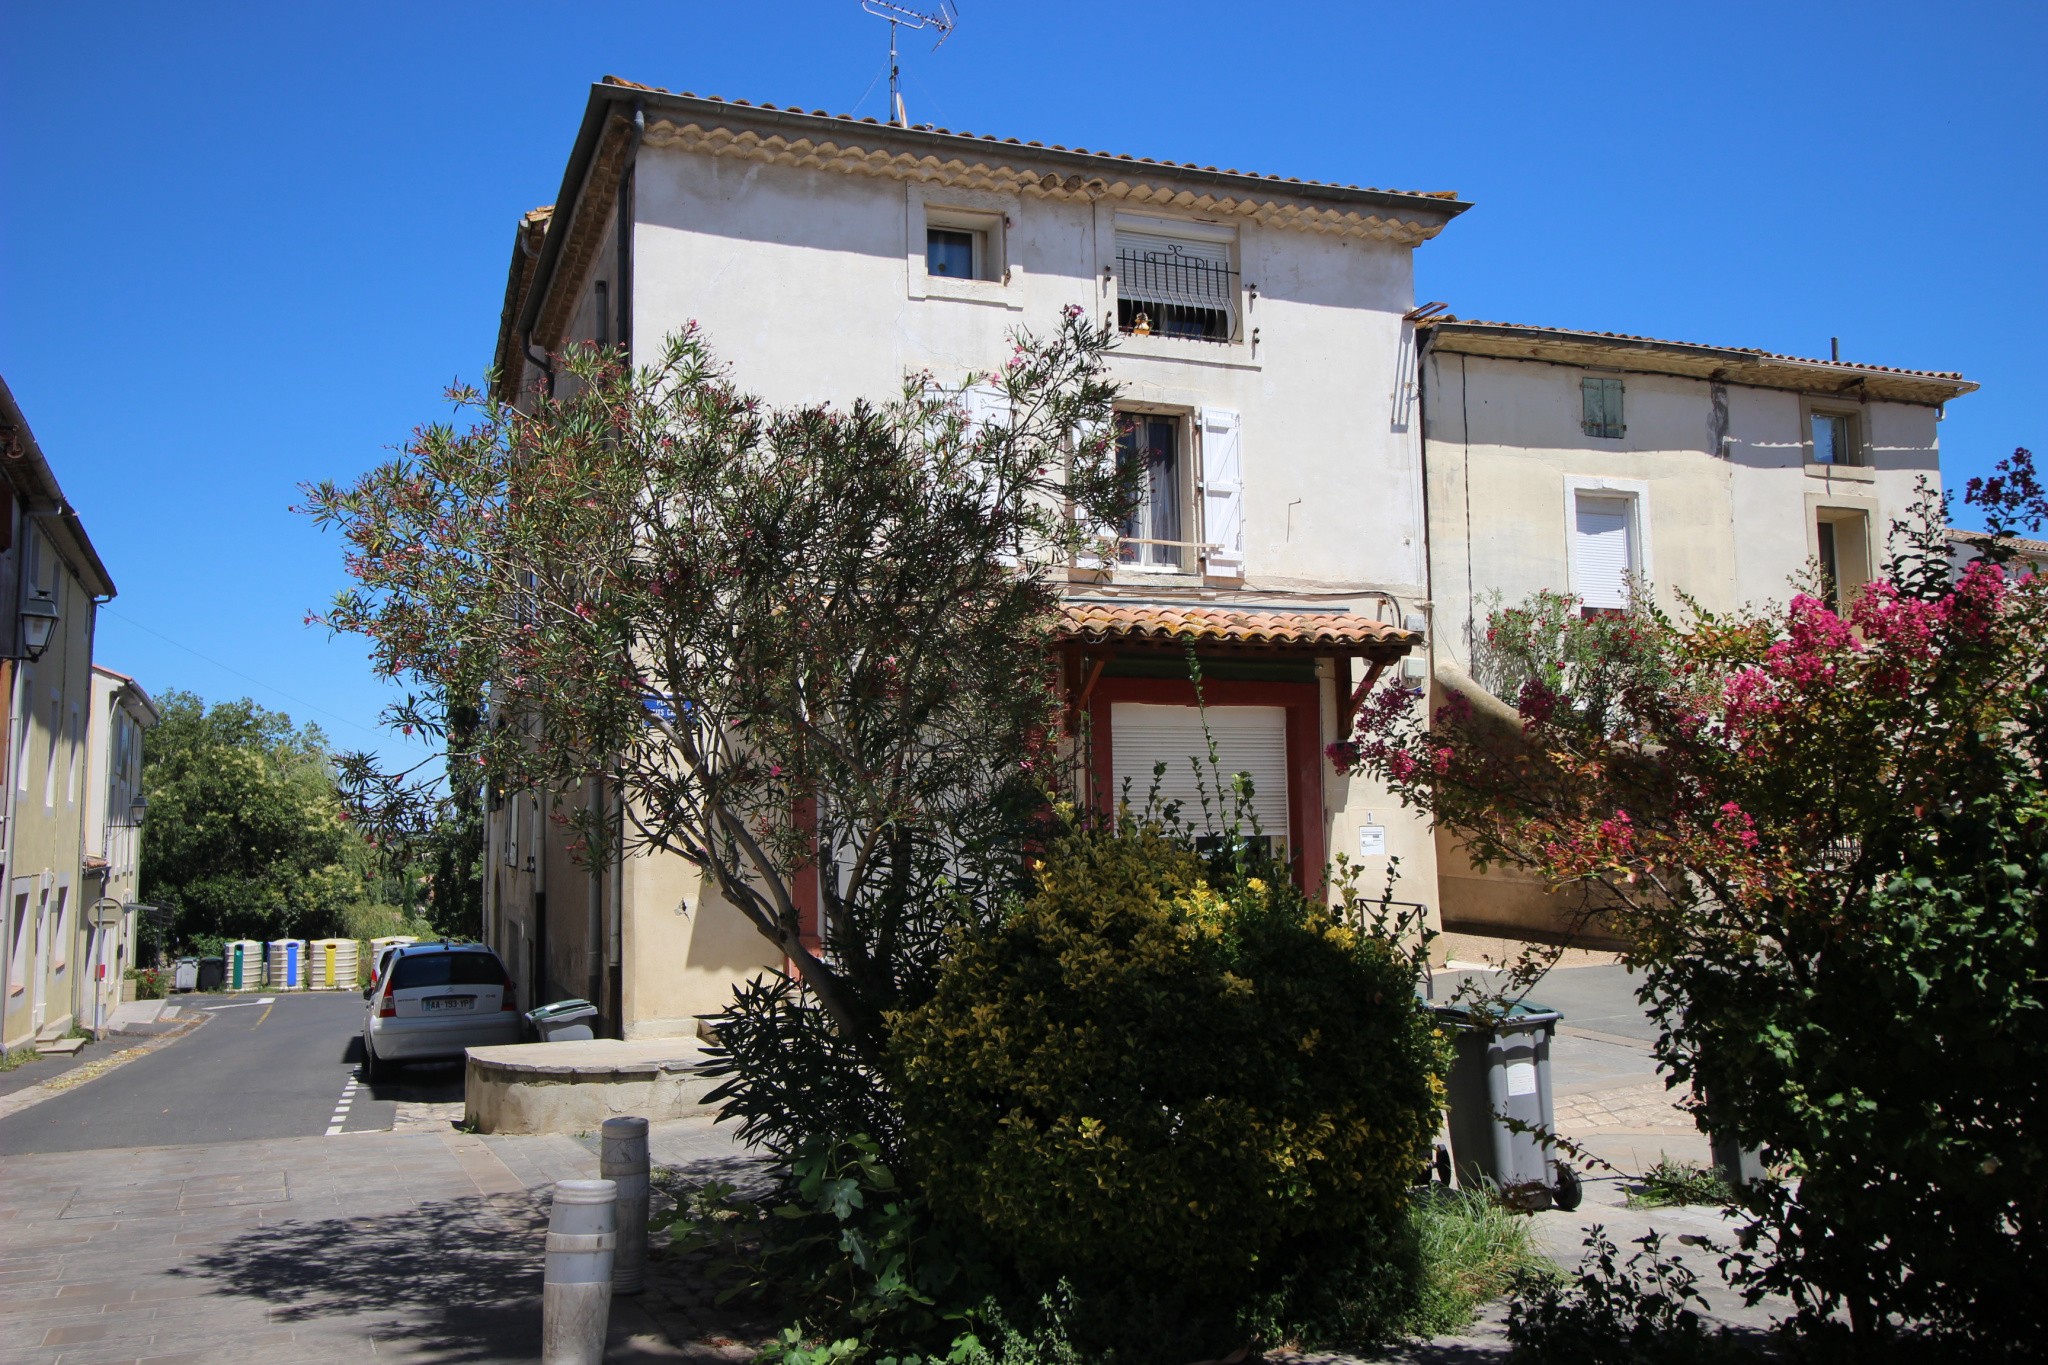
x: 1570, y: 1190
x: 372, y: 1072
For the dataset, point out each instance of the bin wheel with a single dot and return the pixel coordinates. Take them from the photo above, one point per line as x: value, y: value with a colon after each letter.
x: 1569, y: 1190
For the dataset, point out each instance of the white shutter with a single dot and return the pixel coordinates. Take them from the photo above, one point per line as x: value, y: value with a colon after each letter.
x: 986, y: 406
x: 1223, y: 492
x: 1249, y: 739
x: 1602, y: 556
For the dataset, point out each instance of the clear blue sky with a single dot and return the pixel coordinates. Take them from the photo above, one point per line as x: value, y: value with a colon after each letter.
x: 246, y: 245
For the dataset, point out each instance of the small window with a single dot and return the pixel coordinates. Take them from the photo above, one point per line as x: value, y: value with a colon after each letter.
x: 1842, y: 547
x: 1603, y: 552
x: 1151, y: 536
x: 1168, y: 286
x: 951, y: 253
x: 1600, y: 404
x: 1834, y: 438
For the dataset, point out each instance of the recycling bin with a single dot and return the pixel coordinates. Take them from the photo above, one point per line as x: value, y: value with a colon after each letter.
x: 212, y: 974
x: 244, y: 963
x: 565, y: 1021
x: 185, y: 974
x: 288, y: 964
x: 378, y: 945
x: 1500, y: 1079
x: 333, y: 964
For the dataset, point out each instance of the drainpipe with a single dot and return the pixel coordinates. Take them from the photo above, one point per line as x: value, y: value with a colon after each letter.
x: 624, y: 211
x: 593, y: 932
x: 615, y: 955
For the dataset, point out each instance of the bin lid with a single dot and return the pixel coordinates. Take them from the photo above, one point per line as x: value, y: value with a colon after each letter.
x: 563, y: 1009
x: 1523, y: 1014
x: 204, y: 960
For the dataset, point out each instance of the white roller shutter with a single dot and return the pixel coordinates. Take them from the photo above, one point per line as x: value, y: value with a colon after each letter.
x: 1602, y: 555
x: 1223, y: 492
x: 1249, y: 739
x: 1148, y: 271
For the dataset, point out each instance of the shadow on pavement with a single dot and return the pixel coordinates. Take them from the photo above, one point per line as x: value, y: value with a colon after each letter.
x: 460, y: 1278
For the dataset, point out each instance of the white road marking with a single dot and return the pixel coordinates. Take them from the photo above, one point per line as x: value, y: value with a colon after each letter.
x: 340, y: 1115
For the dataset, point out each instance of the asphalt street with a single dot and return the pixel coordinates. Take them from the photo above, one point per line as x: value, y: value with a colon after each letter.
x: 260, y: 1067
x: 1601, y: 999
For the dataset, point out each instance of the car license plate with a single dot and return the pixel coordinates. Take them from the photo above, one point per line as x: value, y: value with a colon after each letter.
x: 450, y: 1002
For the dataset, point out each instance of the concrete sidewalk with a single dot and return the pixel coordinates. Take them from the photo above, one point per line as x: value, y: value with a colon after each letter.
x: 386, y: 1246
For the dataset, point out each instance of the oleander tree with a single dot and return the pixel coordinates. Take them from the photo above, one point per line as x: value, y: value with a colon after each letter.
x: 1823, y: 834
x: 786, y: 640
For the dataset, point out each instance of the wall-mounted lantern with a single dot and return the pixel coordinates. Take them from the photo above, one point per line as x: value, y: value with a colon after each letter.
x: 38, y: 624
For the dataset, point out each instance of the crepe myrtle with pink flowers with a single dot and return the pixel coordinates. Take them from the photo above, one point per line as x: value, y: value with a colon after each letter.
x: 1823, y: 836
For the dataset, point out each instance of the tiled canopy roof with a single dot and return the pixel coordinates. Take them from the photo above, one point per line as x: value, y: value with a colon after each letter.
x: 1734, y: 364
x: 1249, y: 627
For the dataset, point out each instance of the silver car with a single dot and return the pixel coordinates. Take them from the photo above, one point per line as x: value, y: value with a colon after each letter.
x: 432, y: 1000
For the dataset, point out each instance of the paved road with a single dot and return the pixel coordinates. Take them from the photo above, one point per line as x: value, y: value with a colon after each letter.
x: 253, y: 1070
x: 1602, y: 999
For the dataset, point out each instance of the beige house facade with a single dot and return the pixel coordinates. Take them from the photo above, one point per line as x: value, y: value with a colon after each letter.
x: 1591, y: 462
x: 1263, y: 334
x: 53, y: 581
x: 122, y: 715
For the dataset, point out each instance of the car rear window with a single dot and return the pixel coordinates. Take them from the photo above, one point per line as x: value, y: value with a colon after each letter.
x: 446, y: 969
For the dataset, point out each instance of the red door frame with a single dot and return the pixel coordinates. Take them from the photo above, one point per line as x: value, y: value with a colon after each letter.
x: 1302, y: 702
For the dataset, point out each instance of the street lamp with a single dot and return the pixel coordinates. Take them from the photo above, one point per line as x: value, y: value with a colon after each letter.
x: 137, y: 809
x: 38, y: 623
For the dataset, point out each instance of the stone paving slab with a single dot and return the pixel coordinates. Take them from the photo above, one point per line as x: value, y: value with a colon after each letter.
x: 420, y: 1246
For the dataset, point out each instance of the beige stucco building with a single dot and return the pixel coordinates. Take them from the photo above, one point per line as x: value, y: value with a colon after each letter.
x: 50, y: 568
x: 1579, y: 461
x: 121, y: 715
x: 1263, y: 340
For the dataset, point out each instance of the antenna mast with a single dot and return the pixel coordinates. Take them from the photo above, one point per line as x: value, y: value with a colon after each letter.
x: 941, y: 22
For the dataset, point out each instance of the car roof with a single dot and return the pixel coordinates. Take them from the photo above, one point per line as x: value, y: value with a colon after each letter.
x: 442, y: 948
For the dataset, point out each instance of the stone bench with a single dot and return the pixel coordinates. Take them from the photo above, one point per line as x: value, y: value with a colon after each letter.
x: 573, y: 1087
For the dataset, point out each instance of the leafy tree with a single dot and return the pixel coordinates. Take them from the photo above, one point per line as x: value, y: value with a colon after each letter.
x: 780, y: 638
x: 1823, y: 838
x: 245, y: 836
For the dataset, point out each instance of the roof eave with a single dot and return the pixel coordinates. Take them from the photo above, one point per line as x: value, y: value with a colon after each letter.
x: 1736, y: 365
x: 31, y: 470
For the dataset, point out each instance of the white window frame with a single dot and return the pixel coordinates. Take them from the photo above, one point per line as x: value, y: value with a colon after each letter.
x: 1186, y: 230
x: 1186, y: 493
x: 1637, y: 494
x: 992, y: 216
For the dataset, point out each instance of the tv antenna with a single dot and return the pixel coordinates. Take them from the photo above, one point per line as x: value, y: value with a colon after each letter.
x: 941, y: 22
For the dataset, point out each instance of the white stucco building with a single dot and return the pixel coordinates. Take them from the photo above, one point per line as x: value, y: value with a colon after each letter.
x: 1575, y: 461
x: 1264, y: 350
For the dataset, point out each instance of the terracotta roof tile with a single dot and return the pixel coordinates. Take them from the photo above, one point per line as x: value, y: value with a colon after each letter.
x: 1703, y: 345
x: 1153, y: 623
x: 1049, y: 146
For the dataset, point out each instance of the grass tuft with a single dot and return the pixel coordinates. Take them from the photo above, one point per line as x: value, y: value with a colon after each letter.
x: 1473, y: 1248
x: 1671, y: 1183
x: 20, y: 1056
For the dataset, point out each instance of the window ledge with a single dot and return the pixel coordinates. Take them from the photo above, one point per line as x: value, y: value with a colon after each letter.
x: 1855, y: 473
x: 1235, y: 355
x: 972, y: 291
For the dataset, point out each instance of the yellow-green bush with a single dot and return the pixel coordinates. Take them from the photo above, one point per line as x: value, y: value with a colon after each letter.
x: 1201, y: 1105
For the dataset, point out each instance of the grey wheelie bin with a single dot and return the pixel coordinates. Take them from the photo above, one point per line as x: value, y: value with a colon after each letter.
x: 185, y: 974
x: 565, y: 1021
x: 1500, y: 1071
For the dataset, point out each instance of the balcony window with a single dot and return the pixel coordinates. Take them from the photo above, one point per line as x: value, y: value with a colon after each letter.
x: 1151, y: 537
x: 1173, y: 287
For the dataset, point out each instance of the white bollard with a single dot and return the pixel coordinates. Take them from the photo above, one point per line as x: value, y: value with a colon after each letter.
x: 576, y: 1298
x: 624, y: 1163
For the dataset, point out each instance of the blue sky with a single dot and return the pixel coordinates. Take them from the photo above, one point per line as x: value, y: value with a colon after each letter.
x: 246, y: 245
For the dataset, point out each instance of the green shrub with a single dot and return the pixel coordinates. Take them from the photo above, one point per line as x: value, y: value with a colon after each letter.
x: 151, y: 984
x: 1616, y: 1312
x: 1204, y: 1108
